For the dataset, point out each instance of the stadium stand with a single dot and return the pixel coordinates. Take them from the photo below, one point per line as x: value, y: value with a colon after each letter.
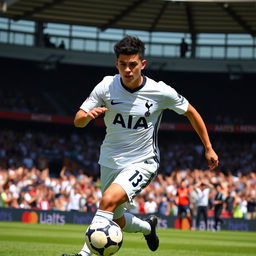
x: 46, y: 164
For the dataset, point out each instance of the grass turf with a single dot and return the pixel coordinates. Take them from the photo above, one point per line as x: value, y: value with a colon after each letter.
x: 18, y: 239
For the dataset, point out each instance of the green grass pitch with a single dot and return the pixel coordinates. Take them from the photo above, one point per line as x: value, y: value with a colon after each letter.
x: 18, y: 239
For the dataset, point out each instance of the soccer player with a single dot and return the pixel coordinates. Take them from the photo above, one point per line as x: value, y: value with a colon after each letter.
x: 129, y: 156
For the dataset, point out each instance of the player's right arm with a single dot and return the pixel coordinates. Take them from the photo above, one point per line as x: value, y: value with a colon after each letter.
x: 82, y: 117
x: 94, y: 105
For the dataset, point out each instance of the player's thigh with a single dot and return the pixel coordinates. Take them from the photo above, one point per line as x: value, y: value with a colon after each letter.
x: 136, y: 177
x: 107, y: 177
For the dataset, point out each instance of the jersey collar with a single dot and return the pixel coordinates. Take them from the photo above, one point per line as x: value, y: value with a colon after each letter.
x: 135, y: 89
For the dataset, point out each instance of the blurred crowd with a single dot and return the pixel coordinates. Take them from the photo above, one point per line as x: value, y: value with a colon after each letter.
x: 39, y: 147
x: 25, y: 100
x: 27, y: 180
x: 36, y: 189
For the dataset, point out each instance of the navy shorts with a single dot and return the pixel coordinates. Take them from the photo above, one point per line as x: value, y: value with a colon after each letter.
x: 183, y: 209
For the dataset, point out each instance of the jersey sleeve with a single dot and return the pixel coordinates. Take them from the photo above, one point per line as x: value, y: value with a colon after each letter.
x: 95, y: 99
x: 173, y: 100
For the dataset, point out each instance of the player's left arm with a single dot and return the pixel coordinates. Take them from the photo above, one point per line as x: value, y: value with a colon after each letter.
x: 199, y: 126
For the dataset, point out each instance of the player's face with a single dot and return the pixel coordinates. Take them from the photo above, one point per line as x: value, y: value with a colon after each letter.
x: 129, y: 67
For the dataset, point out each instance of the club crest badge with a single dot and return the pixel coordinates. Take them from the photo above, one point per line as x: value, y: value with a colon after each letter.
x: 148, y: 106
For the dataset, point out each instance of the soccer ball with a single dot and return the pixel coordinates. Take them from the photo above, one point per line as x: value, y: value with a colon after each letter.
x: 104, y: 237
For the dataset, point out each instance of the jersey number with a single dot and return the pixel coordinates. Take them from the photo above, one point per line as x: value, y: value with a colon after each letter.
x: 138, y: 180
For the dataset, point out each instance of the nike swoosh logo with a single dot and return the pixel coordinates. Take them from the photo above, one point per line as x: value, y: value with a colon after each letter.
x: 114, y: 103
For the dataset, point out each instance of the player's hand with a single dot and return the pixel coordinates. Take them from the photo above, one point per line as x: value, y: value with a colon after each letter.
x: 211, y: 158
x: 95, y: 112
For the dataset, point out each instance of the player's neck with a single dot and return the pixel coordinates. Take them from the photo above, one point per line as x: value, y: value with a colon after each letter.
x: 134, y: 84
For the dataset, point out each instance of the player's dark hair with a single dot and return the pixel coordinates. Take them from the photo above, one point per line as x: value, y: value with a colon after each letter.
x: 129, y: 45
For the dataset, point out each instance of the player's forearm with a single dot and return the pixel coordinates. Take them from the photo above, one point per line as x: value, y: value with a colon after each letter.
x: 199, y: 126
x: 81, y: 119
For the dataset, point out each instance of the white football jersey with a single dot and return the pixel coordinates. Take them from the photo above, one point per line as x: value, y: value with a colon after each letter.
x: 132, y: 119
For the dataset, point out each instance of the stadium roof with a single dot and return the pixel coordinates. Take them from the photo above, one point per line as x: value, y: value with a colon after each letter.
x: 194, y: 16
